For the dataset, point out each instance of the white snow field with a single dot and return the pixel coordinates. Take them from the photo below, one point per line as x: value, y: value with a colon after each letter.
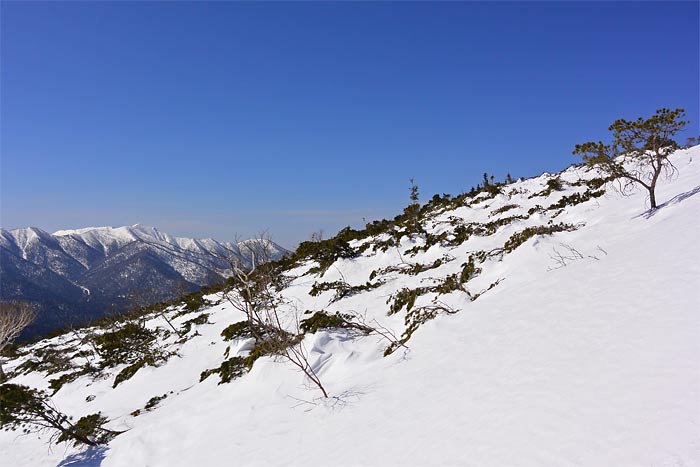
x: 591, y: 358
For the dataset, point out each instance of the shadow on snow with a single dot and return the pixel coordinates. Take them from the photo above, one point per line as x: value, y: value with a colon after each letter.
x: 675, y: 200
x: 91, y: 457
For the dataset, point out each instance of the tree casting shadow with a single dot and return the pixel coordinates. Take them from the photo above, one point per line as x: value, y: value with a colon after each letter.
x: 675, y: 200
x: 91, y: 457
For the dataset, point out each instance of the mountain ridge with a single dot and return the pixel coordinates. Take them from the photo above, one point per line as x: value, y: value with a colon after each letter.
x: 133, y: 259
x: 536, y: 321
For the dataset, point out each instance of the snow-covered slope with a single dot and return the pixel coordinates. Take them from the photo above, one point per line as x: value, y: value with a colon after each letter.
x: 576, y: 348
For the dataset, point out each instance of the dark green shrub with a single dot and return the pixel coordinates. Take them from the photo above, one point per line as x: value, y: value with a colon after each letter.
x: 413, y: 320
x: 342, y: 289
x: 576, y: 198
x: 57, y: 383
x: 128, y: 372
x: 150, y: 405
x: 237, y: 330
x: 322, y: 320
x: 462, y: 232
x: 230, y: 369
x: 90, y: 427
x: 503, y: 209
x: 490, y: 228
x: 492, y: 190
x: 553, y: 184
x: 534, y: 209
x: 198, y: 321
x: 411, y: 269
x: 125, y: 345
x: 194, y: 302
x: 49, y: 360
x: 448, y: 284
x: 133, y: 345
x: 324, y: 252
x: 384, y: 245
x: 31, y: 410
x: 240, y: 330
x: 519, y: 238
x: 406, y: 297
x: 28, y: 366
x: 469, y: 269
x: 153, y: 401
x: 335, y: 250
x: 596, y: 183
x: 272, y: 344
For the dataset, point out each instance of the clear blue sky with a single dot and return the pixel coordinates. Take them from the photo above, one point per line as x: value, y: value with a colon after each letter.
x: 210, y: 119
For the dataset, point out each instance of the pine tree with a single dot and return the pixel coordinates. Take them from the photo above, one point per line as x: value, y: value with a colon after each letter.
x: 414, y: 192
x: 639, y: 152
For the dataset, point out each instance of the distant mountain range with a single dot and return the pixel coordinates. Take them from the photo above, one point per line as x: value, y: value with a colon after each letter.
x: 74, y: 276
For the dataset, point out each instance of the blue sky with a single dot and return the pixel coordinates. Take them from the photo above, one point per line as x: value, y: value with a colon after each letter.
x: 216, y: 119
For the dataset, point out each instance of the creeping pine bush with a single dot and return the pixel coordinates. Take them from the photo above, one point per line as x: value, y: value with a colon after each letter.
x: 268, y: 341
x: 342, y: 289
x: 47, y: 359
x: 596, y: 183
x: 411, y: 269
x: 322, y: 320
x: 57, y: 383
x: 406, y: 297
x: 151, y: 404
x: 154, y: 401
x: 235, y: 367
x: 463, y: 231
x: 503, y: 209
x: 195, y: 301
x: 521, y: 237
x: 237, y: 330
x: 128, y: 372
x: 133, y: 345
x: 576, y: 198
x: 230, y: 369
x: 553, y: 184
x: 31, y: 410
x: 90, y: 427
x: 199, y: 320
x: 124, y: 345
x: 414, y: 319
x: 327, y: 252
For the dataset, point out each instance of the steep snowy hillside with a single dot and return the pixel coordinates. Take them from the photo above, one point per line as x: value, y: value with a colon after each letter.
x: 548, y: 322
x: 75, y: 276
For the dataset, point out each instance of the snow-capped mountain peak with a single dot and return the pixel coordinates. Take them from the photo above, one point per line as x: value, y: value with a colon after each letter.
x: 109, y: 262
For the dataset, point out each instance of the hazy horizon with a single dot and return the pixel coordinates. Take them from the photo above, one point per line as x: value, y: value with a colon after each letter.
x: 226, y: 119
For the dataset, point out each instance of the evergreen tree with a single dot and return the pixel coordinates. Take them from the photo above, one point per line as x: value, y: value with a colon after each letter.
x: 639, y: 152
x: 412, y: 211
x: 414, y: 192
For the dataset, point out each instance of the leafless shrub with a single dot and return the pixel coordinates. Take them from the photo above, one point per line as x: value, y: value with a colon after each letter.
x: 568, y: 254
x: 14, y: 317
x: 254, y: 291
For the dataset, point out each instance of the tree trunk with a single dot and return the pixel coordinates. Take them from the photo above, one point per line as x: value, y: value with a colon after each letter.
x: 3, y: 377
x: 652, y: 198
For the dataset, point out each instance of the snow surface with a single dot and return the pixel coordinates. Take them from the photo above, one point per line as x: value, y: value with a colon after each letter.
x: 596, y: 363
